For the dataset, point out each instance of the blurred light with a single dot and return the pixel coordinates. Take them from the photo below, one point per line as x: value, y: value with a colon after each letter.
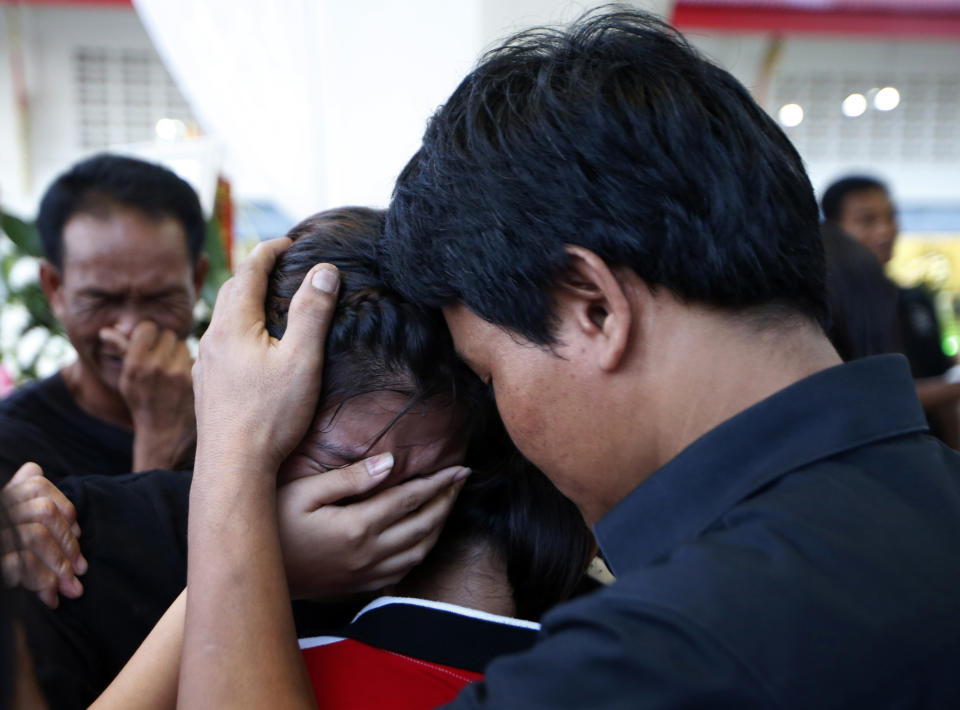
x: 23, y: 272
x: 791, y: 115
x: 951, y: 345
x: 886, y: 99
x: 854, y: 105
x: 170, y: 129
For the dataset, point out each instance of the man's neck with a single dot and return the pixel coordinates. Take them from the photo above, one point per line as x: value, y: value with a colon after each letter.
x: 703, y: 372
x: 94, y: 397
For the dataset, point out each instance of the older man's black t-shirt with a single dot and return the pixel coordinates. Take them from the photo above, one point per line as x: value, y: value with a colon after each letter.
x: 42, y: 422
x: 134, y: 535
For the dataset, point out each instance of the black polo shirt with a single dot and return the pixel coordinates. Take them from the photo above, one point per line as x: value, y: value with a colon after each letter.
x: 803, y: 554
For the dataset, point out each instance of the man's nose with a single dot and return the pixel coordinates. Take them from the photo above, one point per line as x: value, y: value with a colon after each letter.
x: 127, y: 321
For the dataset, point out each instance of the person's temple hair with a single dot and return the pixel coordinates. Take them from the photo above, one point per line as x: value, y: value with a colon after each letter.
x: 101, y: 183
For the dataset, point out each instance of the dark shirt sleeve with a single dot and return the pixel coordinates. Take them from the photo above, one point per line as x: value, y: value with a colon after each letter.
x: 21, y: 442
x: 134, y: 537
x: 605, y: 656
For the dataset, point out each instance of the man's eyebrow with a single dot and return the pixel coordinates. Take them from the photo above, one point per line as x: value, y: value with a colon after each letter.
x: 97, y: 292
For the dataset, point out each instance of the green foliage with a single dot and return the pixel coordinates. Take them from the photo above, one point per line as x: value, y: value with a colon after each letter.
x: 219, y: 272
x: 23, y: 234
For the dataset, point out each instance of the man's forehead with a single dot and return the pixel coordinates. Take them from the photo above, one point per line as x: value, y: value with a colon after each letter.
x: 123, y: 233
x: 154, y: 255
x: 870, y: 198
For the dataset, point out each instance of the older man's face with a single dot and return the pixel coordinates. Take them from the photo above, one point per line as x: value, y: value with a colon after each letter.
x: 119, y: 269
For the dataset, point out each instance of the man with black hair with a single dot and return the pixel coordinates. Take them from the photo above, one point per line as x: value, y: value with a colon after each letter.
x: 860, y: 206
x: 123, y: 271
x: 626, y: 250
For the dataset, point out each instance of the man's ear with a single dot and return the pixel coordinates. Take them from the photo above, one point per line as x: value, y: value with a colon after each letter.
x: 598, y: 303
x: 200, y: 270
x: 51, y: 281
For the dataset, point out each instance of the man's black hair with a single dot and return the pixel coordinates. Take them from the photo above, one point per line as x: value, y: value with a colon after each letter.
x: 616, y: 135
x: 836, y: 195
x: 102, y: 182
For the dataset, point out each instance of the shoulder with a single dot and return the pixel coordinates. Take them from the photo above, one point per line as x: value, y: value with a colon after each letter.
x: 28, y: 399
x: 817, y: 591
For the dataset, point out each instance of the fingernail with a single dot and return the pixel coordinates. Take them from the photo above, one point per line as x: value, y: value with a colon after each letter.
x: 380, y: 464
x: 75, y: 529
x: 326, y: 279
x: 75, y: 588
x: 82, y: 566
x: 461, y: 474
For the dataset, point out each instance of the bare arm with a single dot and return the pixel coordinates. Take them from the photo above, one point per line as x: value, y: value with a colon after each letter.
x: 240, y: 647
x: 149, y: 680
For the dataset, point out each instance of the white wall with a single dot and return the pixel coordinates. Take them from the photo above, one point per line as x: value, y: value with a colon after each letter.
x: 49, y: 36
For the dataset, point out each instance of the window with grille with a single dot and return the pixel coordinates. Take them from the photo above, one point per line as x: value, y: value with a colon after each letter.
x: 923, y: 128
x: 121, y: 94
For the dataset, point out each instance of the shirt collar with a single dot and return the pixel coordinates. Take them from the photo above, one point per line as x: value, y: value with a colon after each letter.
x: 830, y: 412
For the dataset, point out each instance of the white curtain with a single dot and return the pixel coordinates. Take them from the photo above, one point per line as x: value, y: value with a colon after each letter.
x: 322, y: 102
x: 248, y: 70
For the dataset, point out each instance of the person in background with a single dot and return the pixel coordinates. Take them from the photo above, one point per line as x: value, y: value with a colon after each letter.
x: 122, y: 273
x: 863, y: 301
x: 861, y: 207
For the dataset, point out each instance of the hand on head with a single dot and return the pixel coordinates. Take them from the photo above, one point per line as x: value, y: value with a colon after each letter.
x: 255, y: 395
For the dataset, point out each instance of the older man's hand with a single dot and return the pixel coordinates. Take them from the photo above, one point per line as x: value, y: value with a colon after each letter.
x: 41, y: 551
x: 157, y: 386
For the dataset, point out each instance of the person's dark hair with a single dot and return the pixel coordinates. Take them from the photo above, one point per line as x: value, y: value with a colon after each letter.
x: 377, y: 339
x: 834, y: 197
x: 863, y: 301
x: 99, y: 184
x: 616, y: 135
